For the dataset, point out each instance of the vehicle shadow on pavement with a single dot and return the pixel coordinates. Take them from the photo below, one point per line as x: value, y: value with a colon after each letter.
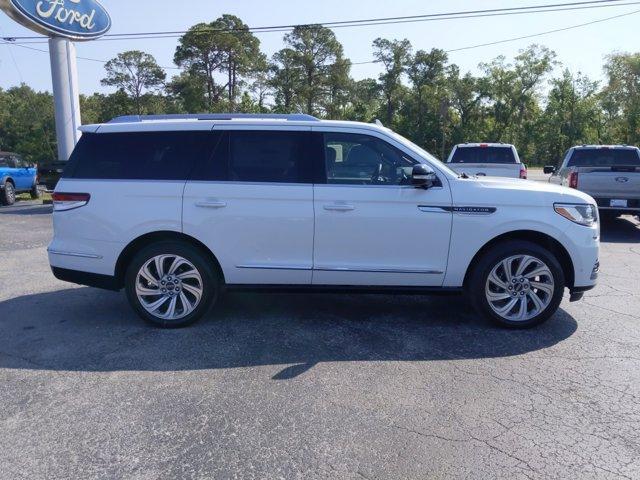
x: 83, y: 329
x: 620, y: 230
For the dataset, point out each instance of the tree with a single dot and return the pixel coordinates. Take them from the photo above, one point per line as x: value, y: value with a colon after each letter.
x: 134, y: 72
x: 426, y: 109
x: 621, y: 96
x: 570, y: 117
x: 512, y: 92
x: 27, y: 124
x: 285, y: 80
x: 311, y: 74
x: 224, y: 47
x: 394, y: 56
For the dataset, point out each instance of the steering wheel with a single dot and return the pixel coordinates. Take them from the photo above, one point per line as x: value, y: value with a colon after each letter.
x: 378, y: 178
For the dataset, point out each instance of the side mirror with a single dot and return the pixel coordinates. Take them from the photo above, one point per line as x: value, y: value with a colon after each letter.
x: 422, y: 176
x: 549, y: 169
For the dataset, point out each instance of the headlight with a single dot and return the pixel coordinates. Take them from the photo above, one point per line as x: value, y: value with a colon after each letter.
x: 585, y: 214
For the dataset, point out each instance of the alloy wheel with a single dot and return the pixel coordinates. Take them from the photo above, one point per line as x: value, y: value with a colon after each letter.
x: 519, y: 288
x: 169, y: 287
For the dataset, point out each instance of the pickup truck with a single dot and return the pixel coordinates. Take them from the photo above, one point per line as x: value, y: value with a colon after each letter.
x: 609, y: 173
x: 16, y: 176
x: 487, y: 160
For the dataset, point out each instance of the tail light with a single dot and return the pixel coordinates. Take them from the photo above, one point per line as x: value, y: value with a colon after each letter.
x: 68, y: 201
x: 573, y: 180
x: 523, y: 173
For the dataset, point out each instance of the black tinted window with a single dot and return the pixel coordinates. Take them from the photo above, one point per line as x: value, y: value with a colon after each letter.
x: 4, y: 161
x: 483, y: 155
x: 603, y: 157
x: 268, y: 156
x: 139, y: 155
x: 260, y: 156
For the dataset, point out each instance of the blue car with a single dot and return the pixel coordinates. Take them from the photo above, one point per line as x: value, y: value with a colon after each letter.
x: 16, y: 176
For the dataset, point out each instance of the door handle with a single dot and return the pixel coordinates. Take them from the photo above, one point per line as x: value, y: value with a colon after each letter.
x: 211, y: 204
x: 339, y: 207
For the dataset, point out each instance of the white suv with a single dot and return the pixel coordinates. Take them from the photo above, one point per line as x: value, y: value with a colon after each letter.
x: 177, y: 209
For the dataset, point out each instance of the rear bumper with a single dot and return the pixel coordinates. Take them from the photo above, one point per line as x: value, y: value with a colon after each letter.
x: 604, y: 204
x: 106, y: 282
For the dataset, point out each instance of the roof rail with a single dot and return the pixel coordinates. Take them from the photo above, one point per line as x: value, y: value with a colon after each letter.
x: 295, y: 117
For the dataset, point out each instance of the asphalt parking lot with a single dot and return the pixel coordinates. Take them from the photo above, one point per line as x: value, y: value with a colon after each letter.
x: 313, y: 386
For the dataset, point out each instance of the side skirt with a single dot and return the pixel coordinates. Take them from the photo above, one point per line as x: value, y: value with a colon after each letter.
x: 350, y: 289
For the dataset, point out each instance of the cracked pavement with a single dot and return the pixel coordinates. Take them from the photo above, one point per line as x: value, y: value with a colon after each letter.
x: 313, y: 386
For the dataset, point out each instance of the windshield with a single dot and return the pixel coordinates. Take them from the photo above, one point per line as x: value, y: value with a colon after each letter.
x: 483, y: 155
x: 603, y: 157
x: 422, y: 152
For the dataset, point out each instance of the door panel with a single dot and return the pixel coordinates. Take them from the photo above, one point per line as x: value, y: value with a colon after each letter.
x: 372, y: 227
x: 260, y: 233
x: 372, y: 235
x: 252, y: 205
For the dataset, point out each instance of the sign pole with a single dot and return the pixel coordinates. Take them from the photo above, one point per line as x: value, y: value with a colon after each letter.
x: 64, y: 76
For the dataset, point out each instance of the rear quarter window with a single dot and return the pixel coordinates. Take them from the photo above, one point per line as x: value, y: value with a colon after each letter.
x: 483, y: 155
x: 138, y: 155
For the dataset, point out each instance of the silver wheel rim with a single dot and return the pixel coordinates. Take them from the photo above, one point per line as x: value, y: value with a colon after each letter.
x: 169, y: 287
x: 519, y: 288
x: 11, y: 194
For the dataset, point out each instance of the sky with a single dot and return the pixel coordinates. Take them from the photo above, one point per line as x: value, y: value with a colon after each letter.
x: 580, y: 50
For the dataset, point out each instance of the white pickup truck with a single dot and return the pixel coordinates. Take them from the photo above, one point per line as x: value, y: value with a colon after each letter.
x: 487, y: 160
x: 609, y: 173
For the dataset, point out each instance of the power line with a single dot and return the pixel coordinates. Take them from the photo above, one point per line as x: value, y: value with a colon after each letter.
x: 533, y: 35
x: 458, y: 49
x: 371, y: 21
x: 556, y: 30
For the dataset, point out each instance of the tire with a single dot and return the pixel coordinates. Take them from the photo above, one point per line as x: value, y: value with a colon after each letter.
x: 35, y: 192
x: 8, y: 194
x: 189, y: 306
x: 489, y: 277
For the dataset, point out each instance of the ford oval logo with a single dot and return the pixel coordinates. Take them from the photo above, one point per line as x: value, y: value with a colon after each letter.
x: 74, y: 19
x: 622, y: 179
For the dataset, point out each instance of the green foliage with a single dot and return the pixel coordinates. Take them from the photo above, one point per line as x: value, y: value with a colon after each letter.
x: 421, y: 94
x: 219, y: 56
x: 134, y: 72
x: 27, y: 124
x: 311, y: 74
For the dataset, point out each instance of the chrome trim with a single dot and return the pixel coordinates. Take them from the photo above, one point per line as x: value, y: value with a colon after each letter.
x: 347, y: 185
x: 274, y: 267
x: 433, y: 209
x: 376, y: 270
x: 74, y: 254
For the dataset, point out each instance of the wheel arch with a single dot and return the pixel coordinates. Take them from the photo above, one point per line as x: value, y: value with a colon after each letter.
x: 539, y: 238
x: 142, y: 241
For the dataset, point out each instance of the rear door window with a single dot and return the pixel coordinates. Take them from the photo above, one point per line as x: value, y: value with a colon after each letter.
x: 264, y: 156
x: 483, y: 155
x: 139, y: 155
x: 603, y: 157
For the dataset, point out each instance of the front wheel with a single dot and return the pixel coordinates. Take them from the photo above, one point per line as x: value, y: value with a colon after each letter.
x: 517, y: 284
x: 171, y: 284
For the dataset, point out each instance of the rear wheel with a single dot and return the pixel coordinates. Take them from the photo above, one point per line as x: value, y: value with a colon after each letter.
x: 8, y: 194
x: 517, y: 284
x: 171, y: 284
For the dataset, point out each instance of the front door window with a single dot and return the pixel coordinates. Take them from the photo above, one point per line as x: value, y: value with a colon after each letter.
x: 354, y: 159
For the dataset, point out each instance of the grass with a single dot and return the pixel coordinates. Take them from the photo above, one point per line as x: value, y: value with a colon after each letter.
x: 26, y: 196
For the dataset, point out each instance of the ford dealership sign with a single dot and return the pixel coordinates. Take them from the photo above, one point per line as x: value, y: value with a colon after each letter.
x: 73, y: 19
